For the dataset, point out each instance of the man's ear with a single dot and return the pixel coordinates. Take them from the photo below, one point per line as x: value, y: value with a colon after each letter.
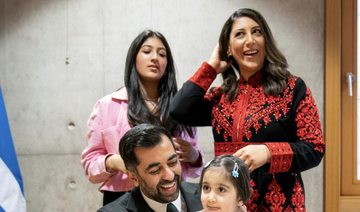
x: 132, y: 176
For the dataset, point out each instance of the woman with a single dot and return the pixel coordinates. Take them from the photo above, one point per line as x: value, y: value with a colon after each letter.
x: 149, y: 85
x: 266, y: 116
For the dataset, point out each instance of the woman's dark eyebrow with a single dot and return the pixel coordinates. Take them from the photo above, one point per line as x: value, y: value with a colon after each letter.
x: 143, y: 46
x: 162, y: 48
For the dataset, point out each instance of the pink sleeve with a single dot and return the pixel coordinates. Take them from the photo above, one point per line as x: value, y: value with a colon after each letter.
x: 189, y: 171
x: 93, y: 156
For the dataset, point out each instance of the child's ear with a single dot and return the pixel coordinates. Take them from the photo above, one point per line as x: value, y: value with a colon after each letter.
x: 240, y: 203
x: 132, y: 176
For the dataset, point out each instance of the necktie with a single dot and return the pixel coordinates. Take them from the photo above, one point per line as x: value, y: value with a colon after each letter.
x: 171, y: 208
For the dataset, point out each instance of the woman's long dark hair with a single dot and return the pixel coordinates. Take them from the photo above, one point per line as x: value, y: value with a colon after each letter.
x: 275, y: 64
x: 138, y: 112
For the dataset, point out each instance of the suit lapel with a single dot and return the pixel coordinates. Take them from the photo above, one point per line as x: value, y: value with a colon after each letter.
x: 137, y: 202
x: 191, y: 196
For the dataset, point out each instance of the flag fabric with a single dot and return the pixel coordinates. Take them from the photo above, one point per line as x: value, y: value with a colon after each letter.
x: 11, y: 185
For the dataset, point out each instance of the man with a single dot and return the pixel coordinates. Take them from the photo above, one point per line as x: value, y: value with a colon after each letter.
x: 152, y: 163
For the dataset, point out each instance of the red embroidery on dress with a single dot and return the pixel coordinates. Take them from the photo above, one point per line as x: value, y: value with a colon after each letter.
x: 251, y: 205
x: 240, y: 112
x: 221, y: 122
x: 308, y: 124
x: 277, y: 115
x: 281, y: 157
x: 289, y: 209
x: 298, y: 198
x: 261, y: 107
x: 204, y: 76
x: 267, y: 120
x: 257, y: 126
x: 285, y: 110
x: 275, y: 197
x: 256, y: 112
x: 222, y: 112
x: 261, y: 208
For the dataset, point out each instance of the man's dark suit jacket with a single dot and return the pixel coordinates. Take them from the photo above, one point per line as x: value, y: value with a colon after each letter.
x: 133, y: 200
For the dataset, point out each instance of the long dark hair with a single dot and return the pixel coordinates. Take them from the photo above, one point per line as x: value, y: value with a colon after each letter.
x: 138, y: 112
x: 275, y: 64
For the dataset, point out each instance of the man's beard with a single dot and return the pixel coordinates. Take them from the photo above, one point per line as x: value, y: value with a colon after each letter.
x: 155, y: 194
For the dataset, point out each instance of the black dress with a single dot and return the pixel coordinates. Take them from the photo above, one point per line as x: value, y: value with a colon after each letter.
x: 289, y: 125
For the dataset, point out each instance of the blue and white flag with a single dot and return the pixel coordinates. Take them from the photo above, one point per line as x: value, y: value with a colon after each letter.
x: 11, y: 185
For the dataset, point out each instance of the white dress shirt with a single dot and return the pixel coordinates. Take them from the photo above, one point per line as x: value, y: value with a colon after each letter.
x: 161, y: 207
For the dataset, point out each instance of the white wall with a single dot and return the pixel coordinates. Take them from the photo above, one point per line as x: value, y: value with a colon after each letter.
x: 44, y: 94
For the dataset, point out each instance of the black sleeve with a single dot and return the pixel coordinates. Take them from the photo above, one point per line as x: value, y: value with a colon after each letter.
x: 309, y: 145
x: 189, y: 107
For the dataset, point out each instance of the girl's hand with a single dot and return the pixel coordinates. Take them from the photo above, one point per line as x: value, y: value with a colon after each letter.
x: 219, y: 65
x: 115, y: 163
x: 186, y: 152
x: 254, y: 156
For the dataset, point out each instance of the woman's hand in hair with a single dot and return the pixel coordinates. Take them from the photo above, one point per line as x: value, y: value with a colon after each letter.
x: 187, y: 153
x: 218, y: 64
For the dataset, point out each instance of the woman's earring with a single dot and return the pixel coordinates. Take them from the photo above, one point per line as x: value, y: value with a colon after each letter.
x: 165, y: 73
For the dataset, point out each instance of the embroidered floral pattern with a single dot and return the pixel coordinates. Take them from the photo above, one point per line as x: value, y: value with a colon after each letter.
x: 204, y: 78
x: 262, y: 108
x: 309, y: 128
x: 251, y: 205
x: 222, y: 113
x: 275, y: 197
x: 298, y: 198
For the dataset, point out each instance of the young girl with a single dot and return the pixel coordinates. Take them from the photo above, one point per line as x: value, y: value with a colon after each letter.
x: 225, y: 184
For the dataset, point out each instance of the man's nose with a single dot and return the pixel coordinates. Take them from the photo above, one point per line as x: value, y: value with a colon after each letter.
x: 168, y: 174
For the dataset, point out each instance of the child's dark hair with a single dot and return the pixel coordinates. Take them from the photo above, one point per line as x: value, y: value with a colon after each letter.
x: 241, y: 180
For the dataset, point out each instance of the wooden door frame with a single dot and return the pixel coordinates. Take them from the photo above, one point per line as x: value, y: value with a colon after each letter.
x: 332, y: 115
x: 333, y: 200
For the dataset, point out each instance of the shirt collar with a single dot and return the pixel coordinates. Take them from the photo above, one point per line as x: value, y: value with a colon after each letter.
x: 254, y: 79
x: 161, y: 207
x: 120, y: 94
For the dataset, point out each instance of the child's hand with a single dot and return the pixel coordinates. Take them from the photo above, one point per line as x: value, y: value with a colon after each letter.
x: 186, y: 152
